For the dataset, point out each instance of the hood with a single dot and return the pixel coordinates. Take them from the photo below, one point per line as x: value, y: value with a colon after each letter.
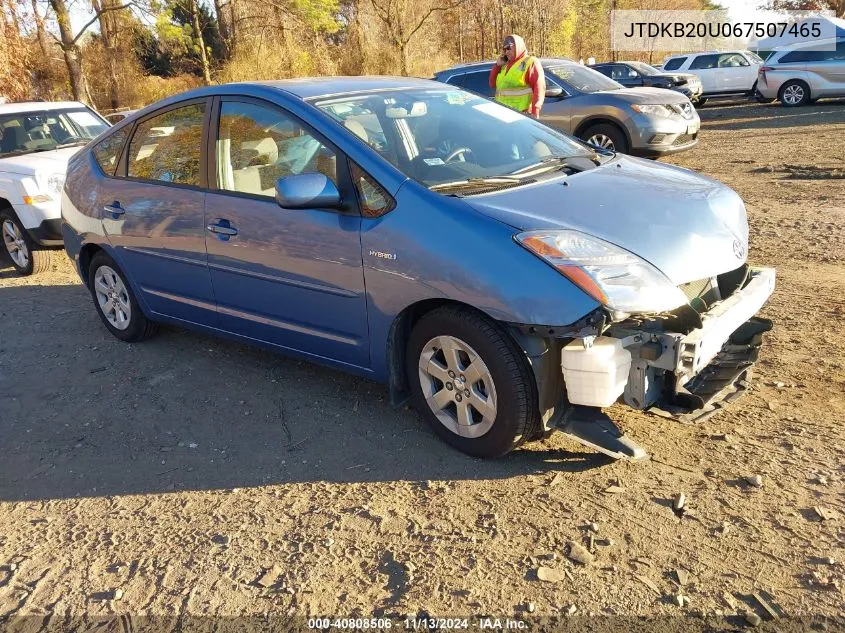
x: 658, y: 96
x: 28, y: 164
x: 688, y: 226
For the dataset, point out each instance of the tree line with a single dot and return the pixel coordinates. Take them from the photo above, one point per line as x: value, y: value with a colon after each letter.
x: 131, y: 52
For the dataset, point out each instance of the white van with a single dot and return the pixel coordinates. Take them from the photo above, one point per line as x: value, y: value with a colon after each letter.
x: 803, y: 73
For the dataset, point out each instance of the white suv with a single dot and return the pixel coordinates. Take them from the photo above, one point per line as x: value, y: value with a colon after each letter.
x: 36, y: 141
x: 722, y: 73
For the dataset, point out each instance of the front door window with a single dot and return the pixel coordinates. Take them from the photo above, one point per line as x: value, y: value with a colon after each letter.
x: 257, y: 145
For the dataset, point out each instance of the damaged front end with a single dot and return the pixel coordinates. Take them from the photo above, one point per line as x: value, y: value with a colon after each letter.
x: 684, y: 363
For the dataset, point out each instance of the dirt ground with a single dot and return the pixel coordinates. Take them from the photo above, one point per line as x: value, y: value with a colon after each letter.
x: 192, y: 477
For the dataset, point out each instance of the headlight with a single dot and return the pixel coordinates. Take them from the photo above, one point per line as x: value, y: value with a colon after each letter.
x: 55, y: 182
x: 651, y: 109
x: 611, y: 275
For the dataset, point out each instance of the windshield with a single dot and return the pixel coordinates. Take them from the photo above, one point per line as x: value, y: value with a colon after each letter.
x: 584, y: 79
x: 755, y: 59
x: 26, y: 132
x: 644, y: 69
x: 438, y: 136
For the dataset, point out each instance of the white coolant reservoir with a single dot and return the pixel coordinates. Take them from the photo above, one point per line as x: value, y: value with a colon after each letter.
x: 595, y: 376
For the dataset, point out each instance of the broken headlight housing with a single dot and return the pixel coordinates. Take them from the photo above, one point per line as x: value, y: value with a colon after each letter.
x: 616, y: 278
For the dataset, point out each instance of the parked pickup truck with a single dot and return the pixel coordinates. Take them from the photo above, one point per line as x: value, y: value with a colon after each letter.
x: 36, y: 141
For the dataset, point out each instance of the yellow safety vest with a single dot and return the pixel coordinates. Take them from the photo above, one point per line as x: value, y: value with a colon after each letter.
x: 511, y: 88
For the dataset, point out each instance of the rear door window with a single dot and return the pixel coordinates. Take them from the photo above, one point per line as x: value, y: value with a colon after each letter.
x: 703, y: 62
x: 479, y: 83
x: 674, y: 63
x: 168, y: 147
x: 795, y: 57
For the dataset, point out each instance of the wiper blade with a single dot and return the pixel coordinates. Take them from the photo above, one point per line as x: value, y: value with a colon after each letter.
x: 567, y: 159
x: 570, y: 162
x: 473, y: 182
x: 71, y: 144
x: 23, y: 152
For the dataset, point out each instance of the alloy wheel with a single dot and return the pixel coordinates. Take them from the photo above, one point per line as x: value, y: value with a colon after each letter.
x: 457, y: 386
x: 793, y: 94
x: 112, y: 297
x: 603, y: 141
x: 15, y: 244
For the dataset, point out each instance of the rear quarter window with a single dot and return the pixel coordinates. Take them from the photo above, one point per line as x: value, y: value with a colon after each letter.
x: 108, y: 151
x: 674, y: 63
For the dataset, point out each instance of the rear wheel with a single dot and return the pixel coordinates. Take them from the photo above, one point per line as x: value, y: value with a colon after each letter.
x: 794, y: 93
x: 115, y: 302
x: 607, y: 137
x: 471, y: 382
x: 26, y: 258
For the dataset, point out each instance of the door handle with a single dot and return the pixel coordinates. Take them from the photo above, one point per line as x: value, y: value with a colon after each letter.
x: 223, y: 228
x: 114, y: 208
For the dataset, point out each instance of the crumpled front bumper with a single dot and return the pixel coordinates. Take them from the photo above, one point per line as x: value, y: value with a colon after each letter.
x: 683, y: 375
x: 669, y: 368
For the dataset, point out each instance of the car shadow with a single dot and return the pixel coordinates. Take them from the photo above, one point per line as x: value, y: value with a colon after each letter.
x: 83, y: 414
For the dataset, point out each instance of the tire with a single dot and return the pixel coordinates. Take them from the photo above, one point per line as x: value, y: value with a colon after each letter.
x: 794, y: 93
x: 106, y: 278
x: 26, y: 257
x: 606, y: 136
x: 510, y: 416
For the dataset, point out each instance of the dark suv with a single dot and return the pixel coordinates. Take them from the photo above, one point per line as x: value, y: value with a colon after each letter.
x: 638, y: 74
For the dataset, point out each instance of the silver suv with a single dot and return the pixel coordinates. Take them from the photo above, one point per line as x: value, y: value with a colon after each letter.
x: 803, y: 73
x: 584, y: 103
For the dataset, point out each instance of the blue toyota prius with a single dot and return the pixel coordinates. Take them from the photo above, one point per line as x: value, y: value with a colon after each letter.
x: 506, y: 278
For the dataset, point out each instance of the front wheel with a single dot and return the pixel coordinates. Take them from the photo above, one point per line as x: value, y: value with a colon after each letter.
x: 115, y: 302
x: 26, y: 258
x: 471, y: 382
x: 607, y: 137
x: 794, y: 93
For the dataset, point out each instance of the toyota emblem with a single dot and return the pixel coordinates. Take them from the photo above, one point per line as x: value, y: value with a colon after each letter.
x: 739, y: 249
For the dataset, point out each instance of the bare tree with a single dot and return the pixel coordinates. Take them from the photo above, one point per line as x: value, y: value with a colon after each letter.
x: 109, y: 23
x: 837, y: 6
x: 70, y: 45
x: 223, y: 9
x: 195, y: 22
x: 402, y: 19
x: 41, y: 32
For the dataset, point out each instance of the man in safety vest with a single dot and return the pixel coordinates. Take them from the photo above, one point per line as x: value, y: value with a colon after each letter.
x: 518, y: 78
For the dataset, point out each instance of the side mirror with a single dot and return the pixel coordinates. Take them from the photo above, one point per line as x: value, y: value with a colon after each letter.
x: 554, y: 92
x: 307, y: 191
